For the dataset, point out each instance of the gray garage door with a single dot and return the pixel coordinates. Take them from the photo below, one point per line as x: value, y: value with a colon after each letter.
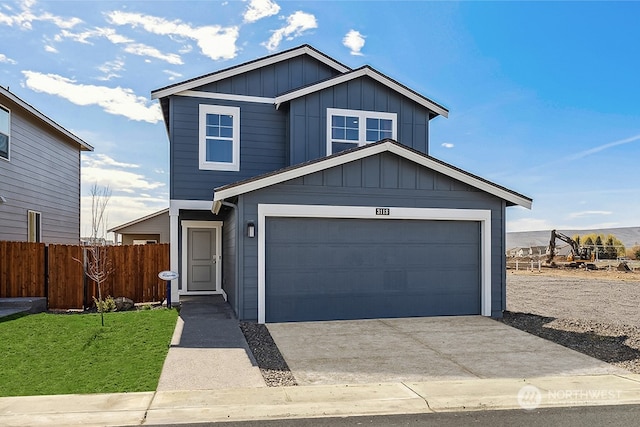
x: 327, y: 269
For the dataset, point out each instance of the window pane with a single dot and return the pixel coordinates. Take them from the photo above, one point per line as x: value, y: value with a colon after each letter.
x: 373, y: 124
x: 352, y: 134
x: 226, y: 132
x: 386, y: 125
x: 337, y: 121
x: 213, y: 131
x: 4, y: 146
x: 213, y: 119
x: 385, y: 134
x: 352, y: 122
x: 337, y: 147
x: 219, y: 150
x: 4, y: 121
x: 337, y: 133
x: 226, y: 120
x: 372, y: 136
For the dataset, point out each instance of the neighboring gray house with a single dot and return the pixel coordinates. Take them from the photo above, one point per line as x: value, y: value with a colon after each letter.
x: 302, y: 189
x: 153, y: 228
x: 39, y: 175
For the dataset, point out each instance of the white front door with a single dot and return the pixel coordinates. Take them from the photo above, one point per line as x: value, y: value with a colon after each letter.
x: 201, y: 244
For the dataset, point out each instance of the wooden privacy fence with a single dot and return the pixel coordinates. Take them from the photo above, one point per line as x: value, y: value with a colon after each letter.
x: 52, y: 271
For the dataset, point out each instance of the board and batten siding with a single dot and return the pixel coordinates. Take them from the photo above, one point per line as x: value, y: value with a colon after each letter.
x: 262, y: 146
x: 308, y: 116
x: 275, y: 79
x: 42, y: 175
x: 383, y: 180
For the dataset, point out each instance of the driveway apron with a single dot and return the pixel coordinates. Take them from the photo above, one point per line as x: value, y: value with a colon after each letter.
x: 423, y: 349
x: 208, y: 350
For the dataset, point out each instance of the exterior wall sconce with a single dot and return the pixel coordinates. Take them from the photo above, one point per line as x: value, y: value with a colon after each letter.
x: 251, y: 229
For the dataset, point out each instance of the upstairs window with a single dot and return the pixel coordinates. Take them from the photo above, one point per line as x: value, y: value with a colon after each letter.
x: 4, y: 133
x: 353, y: 128
x: 219, y: 138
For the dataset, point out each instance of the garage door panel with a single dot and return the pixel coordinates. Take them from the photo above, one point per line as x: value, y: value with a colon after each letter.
x: 321, y: 269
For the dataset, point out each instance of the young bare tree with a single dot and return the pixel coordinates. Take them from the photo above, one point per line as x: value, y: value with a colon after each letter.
x: 98, y: 267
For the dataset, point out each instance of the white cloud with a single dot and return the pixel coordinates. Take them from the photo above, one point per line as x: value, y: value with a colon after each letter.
x: 145, y: 50
x: 354, y: 41
x: 259, y: 9
x: 588, y: 213
x: 6, y: 60
x: 84, y: 36
x: 528, y: 224
x: 172, y: 74
x: 297, y: 23
x: 604, y: 147
x: 447, y: 145
x: 214, y: 41
x: 50, y: 49
x: 26, y: 17
x: 92, y: 160
x: 111, y: 69
x: 117, y: 101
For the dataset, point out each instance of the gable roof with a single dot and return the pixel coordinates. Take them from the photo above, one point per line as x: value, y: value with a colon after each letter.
x: 249, y: 66
x: 138, y: 220
x: 372, y: 73
x: 44, y: 119
x: 385, y: 145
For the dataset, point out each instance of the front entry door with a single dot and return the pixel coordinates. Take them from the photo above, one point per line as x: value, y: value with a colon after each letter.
x: 203, y: 260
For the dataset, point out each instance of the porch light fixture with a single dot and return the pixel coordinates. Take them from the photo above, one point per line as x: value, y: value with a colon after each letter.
x: 251, y: 229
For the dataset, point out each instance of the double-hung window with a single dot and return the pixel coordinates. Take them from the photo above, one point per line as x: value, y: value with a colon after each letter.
x: 4, y: 133
x: 219, y: 146
x: 353, y: 128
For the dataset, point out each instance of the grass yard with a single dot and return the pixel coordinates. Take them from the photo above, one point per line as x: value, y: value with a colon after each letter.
x: 72, y: 353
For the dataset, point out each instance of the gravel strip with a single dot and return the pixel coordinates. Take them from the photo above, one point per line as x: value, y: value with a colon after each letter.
x: 273, y: 367
x: 616, y: 344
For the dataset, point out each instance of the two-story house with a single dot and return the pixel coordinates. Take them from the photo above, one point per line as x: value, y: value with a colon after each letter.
x: 39, y: 175
x: 302, y: 189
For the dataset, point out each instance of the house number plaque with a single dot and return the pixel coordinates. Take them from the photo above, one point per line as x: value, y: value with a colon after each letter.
x: 382, y: 211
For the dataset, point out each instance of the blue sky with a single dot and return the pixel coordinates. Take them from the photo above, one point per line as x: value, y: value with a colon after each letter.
x: 544, y: 97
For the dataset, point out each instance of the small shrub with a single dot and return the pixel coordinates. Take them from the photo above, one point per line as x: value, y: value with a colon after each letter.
x: 106, y: 305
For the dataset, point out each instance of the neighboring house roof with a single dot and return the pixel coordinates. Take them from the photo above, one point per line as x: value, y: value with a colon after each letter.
x: 137, y: 221
x: 386, y: 145
x: 45, y: 120
x: 246, y: 67
x: 372, y: 73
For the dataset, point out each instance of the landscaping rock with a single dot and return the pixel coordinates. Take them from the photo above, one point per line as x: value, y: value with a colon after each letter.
x: 123, y: 304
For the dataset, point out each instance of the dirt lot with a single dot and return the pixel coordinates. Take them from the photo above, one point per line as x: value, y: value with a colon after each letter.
x: 594, y: 312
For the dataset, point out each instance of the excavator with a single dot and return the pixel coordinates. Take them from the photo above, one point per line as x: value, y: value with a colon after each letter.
x: 579, y: 254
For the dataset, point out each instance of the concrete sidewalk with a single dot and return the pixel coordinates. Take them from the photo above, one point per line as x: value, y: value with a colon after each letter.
x: 175, y: 407
x: 208, y: 350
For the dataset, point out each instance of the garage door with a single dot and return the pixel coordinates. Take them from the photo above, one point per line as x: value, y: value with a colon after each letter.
x: 328, y: 269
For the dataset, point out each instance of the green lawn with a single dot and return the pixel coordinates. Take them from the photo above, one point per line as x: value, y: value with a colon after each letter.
x: 72, y: 353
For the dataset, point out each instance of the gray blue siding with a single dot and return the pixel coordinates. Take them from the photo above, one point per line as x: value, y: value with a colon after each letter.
x: 381, y: 180
x: 229, y: 257
x: 43, y: 175
x: 308, y: 116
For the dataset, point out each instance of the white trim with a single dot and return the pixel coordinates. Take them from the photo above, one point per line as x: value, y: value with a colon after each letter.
x: 83, y: 145
x: 175, y: 205
x: 186, y: 225
x: 227, y: 97
x: 362, y: 116
x: 37, y: 217
x: 253, y: 65
x: 365, y: 71
x: 369, y: 212
x: 371, y: 150
x: 174, y: 256
x: 234, y: 112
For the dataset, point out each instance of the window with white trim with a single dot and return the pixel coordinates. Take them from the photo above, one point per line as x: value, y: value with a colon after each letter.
x: 34, y: 227
x: 4, y: 132
x: 353, y: 128
x: 219, y: 138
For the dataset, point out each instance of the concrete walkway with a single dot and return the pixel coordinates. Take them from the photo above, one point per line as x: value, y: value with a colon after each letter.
x: 208, y: 350
x: 176, y: 407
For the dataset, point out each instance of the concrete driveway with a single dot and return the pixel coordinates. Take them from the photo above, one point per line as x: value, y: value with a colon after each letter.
x: 423, y: 349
